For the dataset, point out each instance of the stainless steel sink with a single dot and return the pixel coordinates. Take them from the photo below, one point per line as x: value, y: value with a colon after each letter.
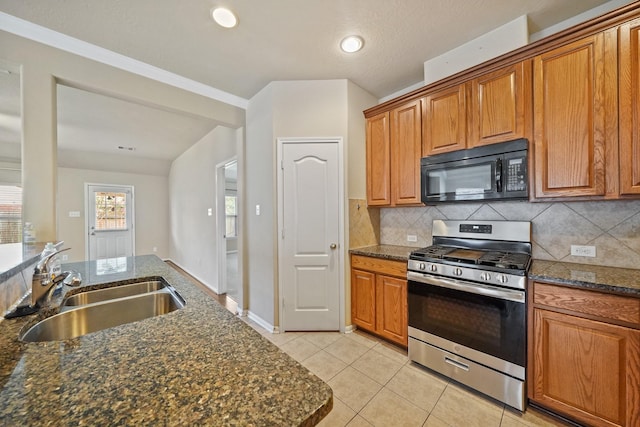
x: 99, y: 295
x: 73, y: 322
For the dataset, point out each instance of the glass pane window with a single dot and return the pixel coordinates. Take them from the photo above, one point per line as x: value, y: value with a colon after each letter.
x: 10, y: 214
x: 111, y: 211
x: 231, y: 215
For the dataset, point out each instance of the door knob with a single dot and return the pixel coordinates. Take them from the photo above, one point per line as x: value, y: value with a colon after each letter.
x: 333, y: 246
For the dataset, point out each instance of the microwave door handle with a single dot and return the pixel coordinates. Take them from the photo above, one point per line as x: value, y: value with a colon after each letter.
x: 499, y: 175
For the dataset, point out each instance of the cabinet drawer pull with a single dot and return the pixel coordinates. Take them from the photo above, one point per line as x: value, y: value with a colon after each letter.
x: 456, y: 364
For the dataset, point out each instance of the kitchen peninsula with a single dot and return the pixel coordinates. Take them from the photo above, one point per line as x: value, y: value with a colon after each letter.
x: 199, y: 365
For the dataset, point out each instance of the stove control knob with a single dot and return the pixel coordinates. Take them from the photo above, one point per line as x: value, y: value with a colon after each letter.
x: 457, y: 272
x: 485, y: 276
x: 422, y: 266
x: 433, y: 268
x: 502, y: 278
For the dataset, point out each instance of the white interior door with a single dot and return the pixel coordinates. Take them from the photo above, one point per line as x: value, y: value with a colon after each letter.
x: 310, y: 254
x: 109, y: 221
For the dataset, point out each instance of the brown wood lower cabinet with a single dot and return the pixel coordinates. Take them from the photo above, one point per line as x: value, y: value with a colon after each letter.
x: 584, y: 363
x: 379, y: 297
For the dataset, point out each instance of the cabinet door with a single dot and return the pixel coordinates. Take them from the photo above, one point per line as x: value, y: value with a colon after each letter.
x: 445, y: 121
x: 378, y: 160
x: 629, y: 99
x: 363, y: 299
x: 406, y: 150
x: 586, y: 369
x: 391, y: 308
x: 569, y: 119
x: 500, y: 105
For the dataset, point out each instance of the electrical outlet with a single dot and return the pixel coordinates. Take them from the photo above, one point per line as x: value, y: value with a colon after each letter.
x: 257, y: 209
x: 65, y: 257
x: 155, y: 249
x: 412, y: 238
x: 588, y: 251
x: 210, y: 211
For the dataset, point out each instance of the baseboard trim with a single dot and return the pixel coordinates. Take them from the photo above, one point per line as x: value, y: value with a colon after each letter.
x: 263, y: 323
x: 350, y: 329
x: 204, y: 282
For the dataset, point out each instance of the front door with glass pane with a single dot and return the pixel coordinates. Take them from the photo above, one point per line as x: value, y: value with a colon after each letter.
x: 109, y: 221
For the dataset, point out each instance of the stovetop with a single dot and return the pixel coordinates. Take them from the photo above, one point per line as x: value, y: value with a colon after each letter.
x: 491, y: 258
x: 487, y: 252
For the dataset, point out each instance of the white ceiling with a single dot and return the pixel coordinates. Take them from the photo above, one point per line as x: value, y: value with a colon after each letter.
x: 275, y: 40
x: 152, y: 133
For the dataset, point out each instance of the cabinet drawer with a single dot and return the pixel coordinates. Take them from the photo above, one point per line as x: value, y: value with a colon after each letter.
x: 625, y: 309
x: 379, y: 265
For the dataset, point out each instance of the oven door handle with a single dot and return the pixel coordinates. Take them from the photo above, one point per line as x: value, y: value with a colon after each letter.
x: 475, y: 288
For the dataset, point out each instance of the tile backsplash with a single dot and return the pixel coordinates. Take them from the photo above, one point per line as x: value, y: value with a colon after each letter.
x: 364, y: 224
x: 613, y: 227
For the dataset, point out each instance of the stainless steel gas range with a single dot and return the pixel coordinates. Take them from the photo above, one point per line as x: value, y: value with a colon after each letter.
x: 466, y: 303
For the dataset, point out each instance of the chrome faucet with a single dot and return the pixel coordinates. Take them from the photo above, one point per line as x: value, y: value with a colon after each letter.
x: 43, y: 285
x: 44, y: 281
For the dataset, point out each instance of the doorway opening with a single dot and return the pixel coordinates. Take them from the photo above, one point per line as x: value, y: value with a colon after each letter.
x: 228, y: 203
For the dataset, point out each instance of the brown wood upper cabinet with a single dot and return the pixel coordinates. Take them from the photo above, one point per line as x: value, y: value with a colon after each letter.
x: 378, y: 160
x: 445, y: 121
x: 571, y: 93
x: 575, y: 97
x: 394, y: 148
x: 492, y: 108
x: 500, y: 105
x: 629, y: 102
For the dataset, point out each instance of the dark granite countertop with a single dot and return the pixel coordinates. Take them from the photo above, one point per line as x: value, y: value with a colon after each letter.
x: 15, y: 257
x: 617, y: 280
x: 396, y: 253
x: 199, y: 365
x: 623, y: 281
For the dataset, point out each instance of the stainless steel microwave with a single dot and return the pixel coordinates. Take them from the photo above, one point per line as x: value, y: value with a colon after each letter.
x: 491, y: 172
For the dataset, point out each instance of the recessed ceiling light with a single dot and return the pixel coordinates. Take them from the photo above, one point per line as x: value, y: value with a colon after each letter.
x: 224, y: 17
x: 351, y: 44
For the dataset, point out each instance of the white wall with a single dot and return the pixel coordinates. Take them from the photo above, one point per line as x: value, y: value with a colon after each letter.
x: 359, y: 100
x: 192, y: 191
x: 259, y: 157
x: 42, y: 68
x: 151, y: 209
x: 318, y: 108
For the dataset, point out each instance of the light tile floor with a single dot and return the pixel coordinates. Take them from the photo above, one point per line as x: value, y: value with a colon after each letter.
x: 375, y: 384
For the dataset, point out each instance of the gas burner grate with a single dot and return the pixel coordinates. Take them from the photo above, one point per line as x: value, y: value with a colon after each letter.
x: 434, y: 251
x: 506, y: 260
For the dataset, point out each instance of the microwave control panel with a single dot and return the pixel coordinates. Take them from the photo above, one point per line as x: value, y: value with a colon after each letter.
x: 516, y: 174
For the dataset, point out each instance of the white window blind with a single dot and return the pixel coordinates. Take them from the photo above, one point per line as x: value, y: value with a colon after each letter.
x: 10, y: 214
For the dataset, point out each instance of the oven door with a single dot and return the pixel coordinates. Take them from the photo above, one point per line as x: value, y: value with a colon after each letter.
x: 487, y: 319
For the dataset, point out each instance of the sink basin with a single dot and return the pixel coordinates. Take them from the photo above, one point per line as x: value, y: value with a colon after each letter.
x: 82, y: 320
x: 99, y: 295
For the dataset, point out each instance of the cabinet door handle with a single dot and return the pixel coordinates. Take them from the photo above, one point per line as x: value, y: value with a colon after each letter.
x: 456, y: 364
